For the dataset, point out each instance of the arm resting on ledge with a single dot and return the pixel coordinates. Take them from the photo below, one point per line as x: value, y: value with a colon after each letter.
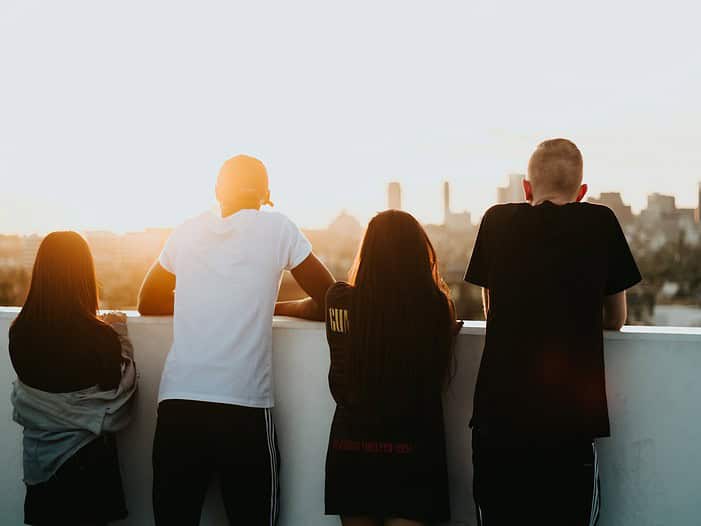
x: 156, y: 297
x: 615, y: 311
x: 485, y: 302
x: 313, y: 276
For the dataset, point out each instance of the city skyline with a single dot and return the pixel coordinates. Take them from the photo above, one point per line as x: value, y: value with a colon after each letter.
x: 100, y: 131
x: 444, y: 203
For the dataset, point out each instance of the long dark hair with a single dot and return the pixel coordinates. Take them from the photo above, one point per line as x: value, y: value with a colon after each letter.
x: 402, y: 318
x: 63, y: 287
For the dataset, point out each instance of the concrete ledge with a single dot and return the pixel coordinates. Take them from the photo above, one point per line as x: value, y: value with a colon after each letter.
x: 650, y: 468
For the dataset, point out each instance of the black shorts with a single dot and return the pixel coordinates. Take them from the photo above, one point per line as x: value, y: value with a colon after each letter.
x: 87, y: 489
x: 544, y: 484
x: 197, y: 441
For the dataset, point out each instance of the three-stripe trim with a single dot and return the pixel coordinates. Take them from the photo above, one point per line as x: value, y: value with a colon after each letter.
x: 272, y: 450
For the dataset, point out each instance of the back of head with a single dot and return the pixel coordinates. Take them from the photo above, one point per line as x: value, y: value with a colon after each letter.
x: 243, y: 179
x: 401, y: 318
x: 63, y: 287
x: 556, y: 168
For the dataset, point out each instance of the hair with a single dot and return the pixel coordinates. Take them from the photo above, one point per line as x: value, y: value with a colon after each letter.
x: 243, y: 179
x: 556, y: 165
x: 401, y: 319
x: 63, y: 287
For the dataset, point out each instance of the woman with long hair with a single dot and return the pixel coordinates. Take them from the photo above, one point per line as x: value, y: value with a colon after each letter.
x: 391, y: 332
x: 75, y: 380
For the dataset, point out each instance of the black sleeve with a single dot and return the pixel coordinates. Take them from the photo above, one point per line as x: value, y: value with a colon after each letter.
x: 622, y: 272
x: 110, y: 359
x: 478, y: 269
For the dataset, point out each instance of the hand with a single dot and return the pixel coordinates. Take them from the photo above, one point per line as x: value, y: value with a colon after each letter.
x: 112, y: 318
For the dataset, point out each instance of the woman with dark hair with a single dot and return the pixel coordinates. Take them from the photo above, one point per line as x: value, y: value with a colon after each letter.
x: 75, y: 383
x: 391, y: 332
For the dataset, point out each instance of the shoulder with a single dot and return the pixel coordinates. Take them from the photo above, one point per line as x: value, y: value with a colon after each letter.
x: 277, y: 219
x: 339, y: 294
x: 503, y: 212
x: 597, y: 213
x: 193, y: 223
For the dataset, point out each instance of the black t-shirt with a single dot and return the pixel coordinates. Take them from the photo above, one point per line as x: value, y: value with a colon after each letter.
x: 66, y: 358
x: 548, y: 269
x: 385, y: 463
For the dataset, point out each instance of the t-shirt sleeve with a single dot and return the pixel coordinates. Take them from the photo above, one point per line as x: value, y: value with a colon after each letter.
x: 622, y: 271
x: 295, y: 246
x: 478, y: 269
x: 169, y: 254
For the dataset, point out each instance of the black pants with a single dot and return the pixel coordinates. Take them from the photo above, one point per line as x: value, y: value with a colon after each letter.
x: 86, y: 490
x: 196, y: 441
x: 535, y: 483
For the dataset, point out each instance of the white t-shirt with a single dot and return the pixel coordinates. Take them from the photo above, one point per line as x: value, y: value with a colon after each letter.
x: 228, y: 273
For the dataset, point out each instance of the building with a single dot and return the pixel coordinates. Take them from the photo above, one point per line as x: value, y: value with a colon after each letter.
x: 30, y: 247
x: 138, y: 247
x: 513, y: 191
x: 661, y: 222
x: 394, y: 196
x: 614, y: 201
x: 456, y: 222
x: 11, y: 248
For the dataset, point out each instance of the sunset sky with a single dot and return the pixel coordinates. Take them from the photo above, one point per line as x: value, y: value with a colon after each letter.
x: 117, y: 115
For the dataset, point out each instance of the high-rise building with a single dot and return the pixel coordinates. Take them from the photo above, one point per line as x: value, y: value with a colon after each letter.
x: 394, y: 196
x: 446, y: 201
x: 452, y: 221
x: 513, y: 191
x: 614, y: 201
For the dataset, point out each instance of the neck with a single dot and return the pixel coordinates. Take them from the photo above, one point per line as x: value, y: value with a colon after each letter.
x: 229, y: 209
x: 553, y: 198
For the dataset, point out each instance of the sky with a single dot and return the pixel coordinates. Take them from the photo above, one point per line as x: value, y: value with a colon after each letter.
x: 117, y: 115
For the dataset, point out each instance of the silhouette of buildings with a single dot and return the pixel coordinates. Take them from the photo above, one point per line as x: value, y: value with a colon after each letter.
x: 394, y: 196
x: 454, y: 222
x: 614, y: 201
x: 513, y: 191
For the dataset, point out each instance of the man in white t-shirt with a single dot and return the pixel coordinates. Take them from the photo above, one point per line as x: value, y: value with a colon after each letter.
x: 217, y: 385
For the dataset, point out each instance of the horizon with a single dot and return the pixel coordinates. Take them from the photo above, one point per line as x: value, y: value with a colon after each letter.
x: 475, y: 218
x: 117, y: 117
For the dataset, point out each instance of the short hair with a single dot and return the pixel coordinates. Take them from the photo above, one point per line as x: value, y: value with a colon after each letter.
x: 556, y: 165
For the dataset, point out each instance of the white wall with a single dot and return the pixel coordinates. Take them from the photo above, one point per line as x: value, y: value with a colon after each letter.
x: 650, y: 468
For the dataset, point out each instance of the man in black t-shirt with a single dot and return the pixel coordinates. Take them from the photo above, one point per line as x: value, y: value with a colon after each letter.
x: 554, y: 272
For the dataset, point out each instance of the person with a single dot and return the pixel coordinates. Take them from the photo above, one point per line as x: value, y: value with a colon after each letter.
x: 391, y: 332
x: 75, y: 386
x: 554, y: 271
x: 216, y: 389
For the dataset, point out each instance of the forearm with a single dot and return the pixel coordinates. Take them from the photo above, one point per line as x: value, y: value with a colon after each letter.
x: 156, y: 296
x: 485, y: 302
x: 613, y: 323
x: 615, y: 311
x: 306, y: 309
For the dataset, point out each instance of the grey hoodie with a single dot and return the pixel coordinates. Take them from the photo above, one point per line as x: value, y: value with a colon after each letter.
x: 57, y: 425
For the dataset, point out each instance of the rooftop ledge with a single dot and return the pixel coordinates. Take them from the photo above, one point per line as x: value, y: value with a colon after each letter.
x: 650, y: 467
x: 469, y: 326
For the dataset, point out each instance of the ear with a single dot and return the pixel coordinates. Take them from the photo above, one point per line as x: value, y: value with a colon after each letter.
x: 581, y: 192
x: 527, y: 190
